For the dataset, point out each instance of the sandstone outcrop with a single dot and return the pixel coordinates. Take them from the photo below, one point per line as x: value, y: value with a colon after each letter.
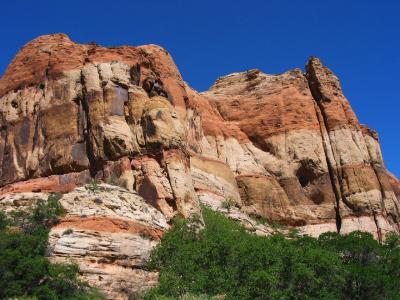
x: 307, y: 161
x: 284, y: 148
x: 79, y: 109
x: 108, y: 231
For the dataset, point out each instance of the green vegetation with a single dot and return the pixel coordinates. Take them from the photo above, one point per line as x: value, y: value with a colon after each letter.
x: 226, y: 262
x: 93, y: 186
x: 228, y: 203
x: 25, y: 272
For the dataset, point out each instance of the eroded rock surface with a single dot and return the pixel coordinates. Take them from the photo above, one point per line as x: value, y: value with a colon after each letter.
x: 109, y: 232
x: 73, y: 109
x: 306, y: 160
x: 285, y: 148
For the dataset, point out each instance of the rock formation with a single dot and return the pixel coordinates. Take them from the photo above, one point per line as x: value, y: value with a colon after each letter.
x: 109, y: 232
x: 287, y: 148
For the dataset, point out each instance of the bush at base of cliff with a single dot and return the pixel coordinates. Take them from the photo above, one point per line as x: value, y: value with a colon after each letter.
x: 25, y: 272
x: 224, y: 260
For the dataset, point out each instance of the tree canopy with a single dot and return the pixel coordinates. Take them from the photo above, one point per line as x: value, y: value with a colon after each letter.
x: 225, y: 260
x: 25, y: 272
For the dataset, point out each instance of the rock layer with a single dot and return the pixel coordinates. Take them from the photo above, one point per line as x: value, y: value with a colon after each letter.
x: 108, y: 231
x: 69, y: 108
x: 307, y: 160
x: 286, y: 148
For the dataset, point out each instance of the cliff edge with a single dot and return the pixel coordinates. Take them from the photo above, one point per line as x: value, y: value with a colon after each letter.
x: 287, y: 148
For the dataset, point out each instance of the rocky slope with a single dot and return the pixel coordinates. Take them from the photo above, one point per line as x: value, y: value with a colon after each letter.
x: 287, y: 148
x: 109, y: 232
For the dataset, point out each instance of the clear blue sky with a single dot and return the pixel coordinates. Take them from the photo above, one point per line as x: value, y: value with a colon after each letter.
x: 358, y: 40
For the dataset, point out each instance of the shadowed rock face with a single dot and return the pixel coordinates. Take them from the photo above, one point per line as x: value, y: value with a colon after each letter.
x: 285, y: 147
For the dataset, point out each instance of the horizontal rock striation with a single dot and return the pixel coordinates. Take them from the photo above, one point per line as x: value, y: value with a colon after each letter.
x: 306, y: 160
x: 74, y: 111
x: 108, y: 231
x: 286, y: 148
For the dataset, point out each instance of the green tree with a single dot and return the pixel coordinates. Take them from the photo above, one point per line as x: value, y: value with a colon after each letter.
x: 371, y: 269
x: 224, y: 259
x: 24, y: 269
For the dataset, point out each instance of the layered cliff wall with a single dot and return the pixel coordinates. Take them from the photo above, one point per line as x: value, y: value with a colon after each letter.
x: 306, y: 160
x: 287, y: 148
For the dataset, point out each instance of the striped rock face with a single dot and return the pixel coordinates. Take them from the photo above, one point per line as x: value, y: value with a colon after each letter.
x: 298, y: 152
x: 70, y: 112
x: 287, y: 148
x: 108, y: 231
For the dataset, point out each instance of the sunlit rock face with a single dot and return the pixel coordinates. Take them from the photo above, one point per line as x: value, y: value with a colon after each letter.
x: 70, y: 112
x: 298, y: 152
x: 286, y: 148
x: 108, y: 231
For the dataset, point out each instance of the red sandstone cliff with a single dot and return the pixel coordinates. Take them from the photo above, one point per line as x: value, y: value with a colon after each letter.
x: 284, y: 147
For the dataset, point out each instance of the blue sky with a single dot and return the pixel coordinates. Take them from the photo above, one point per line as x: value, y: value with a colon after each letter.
x: 358, y: 40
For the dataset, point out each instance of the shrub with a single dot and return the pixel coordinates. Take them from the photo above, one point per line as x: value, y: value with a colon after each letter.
x: 371, y: 270
x: 93, y: 186
x: 4, y: 221
x: 25, y: 272
x: 225, y: 260
x: 228, y: 203
x: 68, y: 231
